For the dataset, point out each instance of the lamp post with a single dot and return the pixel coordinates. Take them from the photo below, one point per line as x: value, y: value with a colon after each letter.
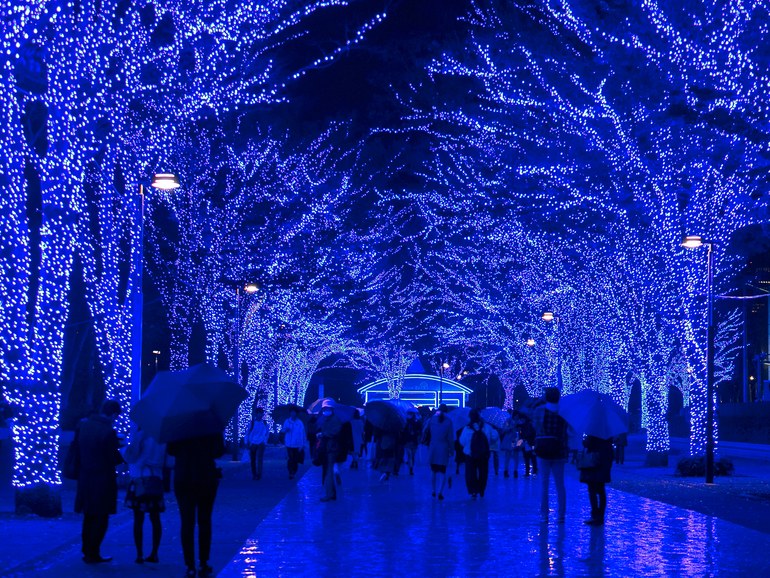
x: 441, y: 369
x: 548, y: 316
x: 695, y: 242
x: 166, y: 182
x: 156, y: 353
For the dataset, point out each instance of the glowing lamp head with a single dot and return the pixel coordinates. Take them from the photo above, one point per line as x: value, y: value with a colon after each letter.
x: 547, y: 316
x: 251, y: 288
x: 165, y: 181
x: 692, y: 242
x: 531, y: 342
x: 445, y: 365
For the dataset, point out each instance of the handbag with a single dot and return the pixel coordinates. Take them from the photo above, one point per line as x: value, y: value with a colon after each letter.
x: 148, y: 487
x: 588, y: 460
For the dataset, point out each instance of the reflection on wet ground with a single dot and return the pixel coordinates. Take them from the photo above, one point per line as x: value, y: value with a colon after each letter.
x: 397, y: 528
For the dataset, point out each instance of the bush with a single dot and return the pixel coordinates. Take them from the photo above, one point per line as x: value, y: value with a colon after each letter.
x: 695, y: 467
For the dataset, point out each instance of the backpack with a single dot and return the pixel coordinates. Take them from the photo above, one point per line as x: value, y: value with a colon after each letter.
x: 479, y: 445
x: 550, y: 445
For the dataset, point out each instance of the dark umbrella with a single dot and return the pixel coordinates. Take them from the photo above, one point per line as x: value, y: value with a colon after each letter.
x: 282, y: 412
x: 593, y: 413
x: 385, y: 415
x: 190, y: 403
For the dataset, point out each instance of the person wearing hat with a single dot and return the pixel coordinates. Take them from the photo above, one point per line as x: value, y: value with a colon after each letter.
x: 331, y: 442
x: 441, y: 440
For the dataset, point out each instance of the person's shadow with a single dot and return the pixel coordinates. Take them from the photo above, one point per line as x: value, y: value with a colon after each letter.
x: 551, y: 550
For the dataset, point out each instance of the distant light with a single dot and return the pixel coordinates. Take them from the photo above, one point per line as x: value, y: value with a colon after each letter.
x: 531, y: 342
x: 445, y: 365
x: 156, y: 352
x: 548, y: 316
x: 692, y: 242
x: 251, y: 287
x: 165, y: 181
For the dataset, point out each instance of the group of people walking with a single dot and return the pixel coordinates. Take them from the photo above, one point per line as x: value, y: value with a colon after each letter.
x: 540, y: 440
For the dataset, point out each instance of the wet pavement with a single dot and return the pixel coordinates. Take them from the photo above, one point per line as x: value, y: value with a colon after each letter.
x: 397, y: 528
x: 280, y: 528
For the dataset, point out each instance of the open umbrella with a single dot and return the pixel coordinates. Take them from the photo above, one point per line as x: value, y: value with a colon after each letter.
x: 495, y: 416
x: 282, y: 412
x: 190, y: 403
x: 594, y: 413
x: 460, y: 417
x: 386, y: 415
x: 344, y: 412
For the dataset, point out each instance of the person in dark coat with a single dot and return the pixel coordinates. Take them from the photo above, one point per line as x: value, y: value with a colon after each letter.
x: 332, y: 444
x: 596, y: 478
x: 97, y: 490
x: 196, y: 480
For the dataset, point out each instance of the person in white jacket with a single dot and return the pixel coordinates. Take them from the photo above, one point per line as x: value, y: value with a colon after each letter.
x: 294, y: 439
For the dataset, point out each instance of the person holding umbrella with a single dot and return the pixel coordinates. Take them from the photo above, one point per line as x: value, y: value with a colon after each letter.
x: 600, y: 418
x: 330, y: 444
x: 596, y: 476
x: 196, y: 480
x: 441, y: 439
x: 189, y: 410
x: 294, y: 439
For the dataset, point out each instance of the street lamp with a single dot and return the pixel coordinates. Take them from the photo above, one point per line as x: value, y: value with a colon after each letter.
x: 695, y: 242
x: 548, y: 316
x: 156, y: 353
x: 530, y: 342
x: 166, y: 182
x: 441, y: 369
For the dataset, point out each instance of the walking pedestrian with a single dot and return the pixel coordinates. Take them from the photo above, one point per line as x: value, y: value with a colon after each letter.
x: 146, y: 458
x: 412, y: 434
x: 293, y: 431
x: 196, y: 480
x: 386, y: 452
x: 257, y: 441
x: 508, y: 447
x: 621, y: 441
x: 357, y: 433
x: 597, y: 476
x: 97, y: 488
x: 330, y: 445
x: 551, y: 449
x: 494, y: 447
x: 475, y: 441
x: 440, y: 436
x: 527, y: 444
